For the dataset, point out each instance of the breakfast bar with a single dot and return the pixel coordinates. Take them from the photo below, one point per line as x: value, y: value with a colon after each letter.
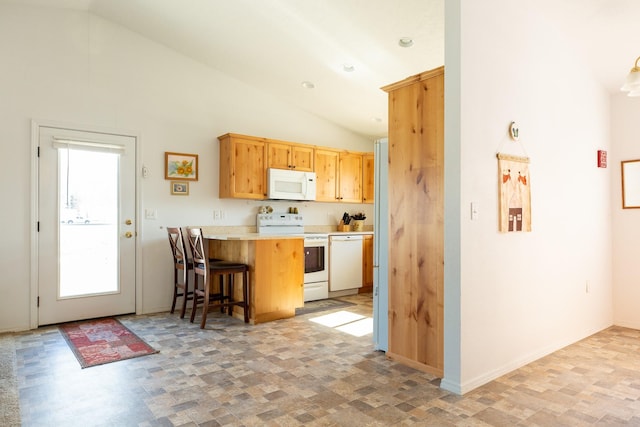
x: 276, y: 271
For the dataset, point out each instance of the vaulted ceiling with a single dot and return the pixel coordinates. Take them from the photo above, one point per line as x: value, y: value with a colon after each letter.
x: 348, y: 49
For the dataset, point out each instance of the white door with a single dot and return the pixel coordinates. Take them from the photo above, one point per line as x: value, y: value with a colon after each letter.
x: 87, y: 225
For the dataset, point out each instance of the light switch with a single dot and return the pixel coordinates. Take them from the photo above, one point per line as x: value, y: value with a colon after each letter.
x: 151, y: 214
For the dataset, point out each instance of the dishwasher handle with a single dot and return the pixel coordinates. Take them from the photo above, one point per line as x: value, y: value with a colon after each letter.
x: 346, y: 238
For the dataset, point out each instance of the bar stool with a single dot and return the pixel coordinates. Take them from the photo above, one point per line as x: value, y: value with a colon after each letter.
x: 182, y: 265
x: 208, y: 271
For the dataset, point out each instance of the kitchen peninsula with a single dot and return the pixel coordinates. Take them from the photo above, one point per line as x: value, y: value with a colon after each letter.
x: 276, y: 271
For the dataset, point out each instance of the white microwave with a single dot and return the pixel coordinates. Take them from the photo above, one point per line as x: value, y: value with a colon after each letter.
x: 284, y: 184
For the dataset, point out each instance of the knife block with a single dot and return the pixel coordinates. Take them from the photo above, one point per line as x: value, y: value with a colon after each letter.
x: 344, y: 227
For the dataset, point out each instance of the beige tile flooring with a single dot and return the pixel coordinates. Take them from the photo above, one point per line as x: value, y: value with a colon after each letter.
x: 296, y: 372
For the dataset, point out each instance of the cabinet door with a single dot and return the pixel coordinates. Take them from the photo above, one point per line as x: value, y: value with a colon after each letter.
x: 302, y: 158
x: 326, y: 167
x: 278, y: 155
x: 290, y: 156
x: 367, y: 264
x: 350, y: 175
x: 242, y: 168
x: 367, y: 178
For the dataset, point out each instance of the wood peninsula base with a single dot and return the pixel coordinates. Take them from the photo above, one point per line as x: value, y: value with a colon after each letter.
x: 276, y: 273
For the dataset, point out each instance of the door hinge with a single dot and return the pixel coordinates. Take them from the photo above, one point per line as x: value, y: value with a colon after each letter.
x: 38, y: 226
x: 38, y: 151
x: 38, y: 302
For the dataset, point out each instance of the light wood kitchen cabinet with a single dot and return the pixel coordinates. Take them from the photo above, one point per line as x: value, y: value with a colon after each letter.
x: 367, y: 264
x: 416, y: 231
x: 326, y: 168
x: 368, y: 194
x: 350, y: 177
x: 281, y: 155
x: 341, y: 176
x: 242, y: 167
x: 338, y: 176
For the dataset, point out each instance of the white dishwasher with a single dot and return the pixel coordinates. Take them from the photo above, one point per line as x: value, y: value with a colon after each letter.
x: 345, y: 262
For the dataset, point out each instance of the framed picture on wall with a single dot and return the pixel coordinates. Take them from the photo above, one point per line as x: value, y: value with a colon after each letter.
x: 180, y: 188
x: 181, y: 166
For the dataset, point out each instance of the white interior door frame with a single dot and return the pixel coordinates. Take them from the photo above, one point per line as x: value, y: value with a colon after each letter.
x: 35, y: 141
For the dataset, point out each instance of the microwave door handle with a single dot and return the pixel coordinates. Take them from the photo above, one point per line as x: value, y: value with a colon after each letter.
x: 304, y: 184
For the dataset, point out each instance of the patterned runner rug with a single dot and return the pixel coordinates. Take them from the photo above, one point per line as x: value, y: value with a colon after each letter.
x: 99, y: 341
x: 322, y: 305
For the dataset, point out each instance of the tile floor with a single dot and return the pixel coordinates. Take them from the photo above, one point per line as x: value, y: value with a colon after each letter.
x: 296, y: 372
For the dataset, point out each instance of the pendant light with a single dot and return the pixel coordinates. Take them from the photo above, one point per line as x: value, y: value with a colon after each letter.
x: 632, y: 84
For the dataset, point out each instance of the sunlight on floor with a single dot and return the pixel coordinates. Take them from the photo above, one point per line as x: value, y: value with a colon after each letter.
x: 345, y: 321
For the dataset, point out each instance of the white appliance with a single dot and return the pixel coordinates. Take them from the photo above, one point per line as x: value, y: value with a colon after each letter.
x: 283, y: 184
x: 345, y: 253
x: 316, y: 250
x: 316, y: 267
x: 381, y: 246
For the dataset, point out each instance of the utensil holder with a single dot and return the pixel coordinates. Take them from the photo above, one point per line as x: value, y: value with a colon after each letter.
x: 358, y: 225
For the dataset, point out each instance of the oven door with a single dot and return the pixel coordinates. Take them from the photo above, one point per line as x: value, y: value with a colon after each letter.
x: 316, y: 260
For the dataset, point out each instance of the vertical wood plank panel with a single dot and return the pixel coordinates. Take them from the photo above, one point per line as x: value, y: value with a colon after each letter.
x: 416, y: 223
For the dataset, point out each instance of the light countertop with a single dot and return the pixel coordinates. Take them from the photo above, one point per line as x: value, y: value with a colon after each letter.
x: 262, y: 236
x: 250, y: 236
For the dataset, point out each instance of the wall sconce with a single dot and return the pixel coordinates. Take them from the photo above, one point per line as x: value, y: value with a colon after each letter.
x: 632, y: 84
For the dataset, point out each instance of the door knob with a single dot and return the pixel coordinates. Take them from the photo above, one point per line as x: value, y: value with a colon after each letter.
x: 128, y: 222
x: 128, y: 234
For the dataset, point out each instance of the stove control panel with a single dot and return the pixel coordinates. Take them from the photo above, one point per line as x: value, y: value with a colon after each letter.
x: 285, y: 219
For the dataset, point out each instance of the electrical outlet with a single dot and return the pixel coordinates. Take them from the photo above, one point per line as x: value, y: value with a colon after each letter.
x: 216, y: 214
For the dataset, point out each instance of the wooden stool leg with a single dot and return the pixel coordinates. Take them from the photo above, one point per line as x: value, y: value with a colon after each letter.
x: 195, y: 298
x: 245, y: 295
x: 185, y: 296
x: 175, y: 289
x: 231, y: 299
x: 205, y: 305
x: 222, y: 294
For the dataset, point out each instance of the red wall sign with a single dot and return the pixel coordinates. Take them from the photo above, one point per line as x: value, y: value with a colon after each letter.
x: 602, y: 159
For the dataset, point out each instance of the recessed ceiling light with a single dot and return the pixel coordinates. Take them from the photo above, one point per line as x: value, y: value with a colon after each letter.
x: 405, y: 42
x: 348, y: 68
x: 308, y: 85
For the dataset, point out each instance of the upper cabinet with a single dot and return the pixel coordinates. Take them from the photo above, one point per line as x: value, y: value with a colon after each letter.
x: 350, y: 177
x: 367, y: 178
x: 242, y: 167
x: 282, y: 155
x: 338, y: 176
x: 341, y: 176
x: 326, y: 168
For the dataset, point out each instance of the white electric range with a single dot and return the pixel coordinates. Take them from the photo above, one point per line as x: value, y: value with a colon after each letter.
x: 316, y: 250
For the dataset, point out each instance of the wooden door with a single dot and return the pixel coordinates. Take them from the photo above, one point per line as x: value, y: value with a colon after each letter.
x: 302, y: 158
x: 350, y: 177
x: 278, y: 155
x: 242, y: 167
x: 326, y: 167
x: 368, y: 194
x: 367, y: 264
x: 416, y: 209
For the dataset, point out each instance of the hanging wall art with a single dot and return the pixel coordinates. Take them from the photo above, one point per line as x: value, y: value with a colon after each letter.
x: 514, y: 193
x: 181, y: 166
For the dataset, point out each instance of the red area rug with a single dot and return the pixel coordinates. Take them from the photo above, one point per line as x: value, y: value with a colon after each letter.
x: 99, y: 341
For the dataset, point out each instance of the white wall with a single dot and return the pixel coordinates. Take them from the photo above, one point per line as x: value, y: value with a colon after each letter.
x: 75, y: 68
x: 625, y: 133
x: 524, y: 295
